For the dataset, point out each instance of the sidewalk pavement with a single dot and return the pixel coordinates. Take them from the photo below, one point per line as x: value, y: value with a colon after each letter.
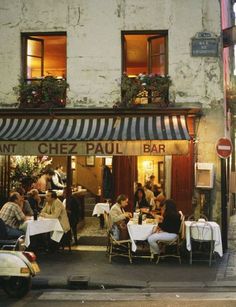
x: 92, y: 263
x: 58, y: 267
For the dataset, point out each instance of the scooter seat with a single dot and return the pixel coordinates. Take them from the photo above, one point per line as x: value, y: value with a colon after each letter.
x: 8, y: 244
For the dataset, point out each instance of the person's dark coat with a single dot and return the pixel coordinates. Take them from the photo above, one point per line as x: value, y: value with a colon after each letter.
x: 107, y: 183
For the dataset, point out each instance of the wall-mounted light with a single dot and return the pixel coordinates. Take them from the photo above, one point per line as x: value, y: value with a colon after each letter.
x: 148, y: 165
x: 73, y: 163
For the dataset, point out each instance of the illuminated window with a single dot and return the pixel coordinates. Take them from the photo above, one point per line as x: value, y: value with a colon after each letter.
x: 44, y: 55
x: 144, y: 52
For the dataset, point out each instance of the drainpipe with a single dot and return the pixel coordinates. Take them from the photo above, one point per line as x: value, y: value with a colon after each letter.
x: 68, y: 180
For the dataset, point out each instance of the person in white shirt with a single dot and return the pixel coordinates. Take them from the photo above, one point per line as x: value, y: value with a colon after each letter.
x: 57, y: 182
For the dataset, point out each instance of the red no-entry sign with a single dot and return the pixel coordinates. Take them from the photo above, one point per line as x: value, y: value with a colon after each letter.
x: 224, y: 148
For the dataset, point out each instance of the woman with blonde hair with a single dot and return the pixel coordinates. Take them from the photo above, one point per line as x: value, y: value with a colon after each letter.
x: 119, y: 217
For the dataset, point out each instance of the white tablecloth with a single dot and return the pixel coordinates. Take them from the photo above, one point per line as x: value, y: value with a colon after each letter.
x: 216, y: 236
x: 100, y: 208
x: 139, y: 232
x: 43, y: 225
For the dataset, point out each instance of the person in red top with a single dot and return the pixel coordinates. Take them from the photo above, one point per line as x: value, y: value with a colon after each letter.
x: 44, y: 182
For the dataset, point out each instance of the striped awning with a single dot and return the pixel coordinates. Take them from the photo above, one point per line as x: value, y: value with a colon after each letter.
x: 95, y: 129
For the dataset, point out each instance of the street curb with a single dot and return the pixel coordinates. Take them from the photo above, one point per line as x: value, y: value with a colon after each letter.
x: 62, y: 283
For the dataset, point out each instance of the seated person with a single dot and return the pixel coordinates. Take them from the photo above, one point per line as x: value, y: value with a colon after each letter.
x: 158, y: 201
x: 119, y: 217
x: 34, y: 200
x: 13, y: 216
x: 44, y: 182
x: 156, y: 189
x: 55, y: 209
x: 26, y: 208
x: 140, y: 200
x: 168, y: 229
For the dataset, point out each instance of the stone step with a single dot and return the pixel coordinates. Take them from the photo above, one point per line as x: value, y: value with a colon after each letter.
x: 88, y: 209
x: 88, y: 213
x: 89, y: 206
x: 89, y: 200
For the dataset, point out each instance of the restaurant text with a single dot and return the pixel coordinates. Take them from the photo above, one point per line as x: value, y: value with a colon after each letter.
x: 103, y: 149
x: 7, y: 148
x: 57, y: 148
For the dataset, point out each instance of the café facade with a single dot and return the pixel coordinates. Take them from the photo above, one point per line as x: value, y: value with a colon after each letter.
x: 124, y: 135
x: 90, y: 46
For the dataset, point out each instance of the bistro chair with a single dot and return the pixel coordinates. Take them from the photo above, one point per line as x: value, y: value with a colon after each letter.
x: 172, y: 247
x: 116, y: 247
x: 192, y: 217
x: 201, y: 239
x: 6, y: 243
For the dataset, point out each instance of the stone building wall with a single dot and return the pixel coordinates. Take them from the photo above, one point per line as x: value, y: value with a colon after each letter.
x: 93, y: 30
x: 94, y: 44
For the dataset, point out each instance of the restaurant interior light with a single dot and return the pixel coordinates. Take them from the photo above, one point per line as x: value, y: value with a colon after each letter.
x: 73, y: 162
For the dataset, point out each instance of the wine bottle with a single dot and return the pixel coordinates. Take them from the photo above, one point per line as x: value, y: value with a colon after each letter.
x: 35, y: 215
x: 140, y: 218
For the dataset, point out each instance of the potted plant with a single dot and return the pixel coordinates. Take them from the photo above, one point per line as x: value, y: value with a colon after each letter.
x: 25, y: 170
x: 154, y: 88
x: 48, y: 92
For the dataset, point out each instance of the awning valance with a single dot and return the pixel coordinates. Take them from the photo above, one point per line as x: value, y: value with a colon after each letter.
x: 115, y: 128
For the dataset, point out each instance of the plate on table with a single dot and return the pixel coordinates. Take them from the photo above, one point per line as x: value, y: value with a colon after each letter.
x: 150, y: 221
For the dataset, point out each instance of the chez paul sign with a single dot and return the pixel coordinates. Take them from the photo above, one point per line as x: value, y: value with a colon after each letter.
x: 122, y: 148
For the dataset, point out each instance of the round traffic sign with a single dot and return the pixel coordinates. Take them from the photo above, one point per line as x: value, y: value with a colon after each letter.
x: 224, y: 148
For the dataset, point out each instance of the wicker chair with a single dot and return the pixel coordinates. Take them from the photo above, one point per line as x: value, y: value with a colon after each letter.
x: 116, y: 247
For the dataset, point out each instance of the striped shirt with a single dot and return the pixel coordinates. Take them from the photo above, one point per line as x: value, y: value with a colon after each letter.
x: 12, y: 215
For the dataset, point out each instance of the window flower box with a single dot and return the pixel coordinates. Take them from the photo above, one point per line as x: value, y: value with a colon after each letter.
x: 145, y: 89
x: 48, y: 92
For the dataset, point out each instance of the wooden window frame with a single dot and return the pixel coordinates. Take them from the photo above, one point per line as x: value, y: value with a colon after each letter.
x: 146, y: 32
x: 24, y: 37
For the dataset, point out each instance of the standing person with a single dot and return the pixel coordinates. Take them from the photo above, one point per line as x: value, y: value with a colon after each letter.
x: 44, y: 182
x: 140, y: 200
x: 107, y: 183
x: 151, y: 181
x: 59, y: 168
x: 119, y: 217
x: 168, y: 229
x: 55, y: 209
x: 13, y: 216
x: 148, y: 192
x: 56, y: 181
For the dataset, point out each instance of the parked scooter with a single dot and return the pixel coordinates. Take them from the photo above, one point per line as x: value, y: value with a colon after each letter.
x: 17, y: 267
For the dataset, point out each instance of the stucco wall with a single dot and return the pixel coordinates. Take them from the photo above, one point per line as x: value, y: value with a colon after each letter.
x: 94, y: 44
